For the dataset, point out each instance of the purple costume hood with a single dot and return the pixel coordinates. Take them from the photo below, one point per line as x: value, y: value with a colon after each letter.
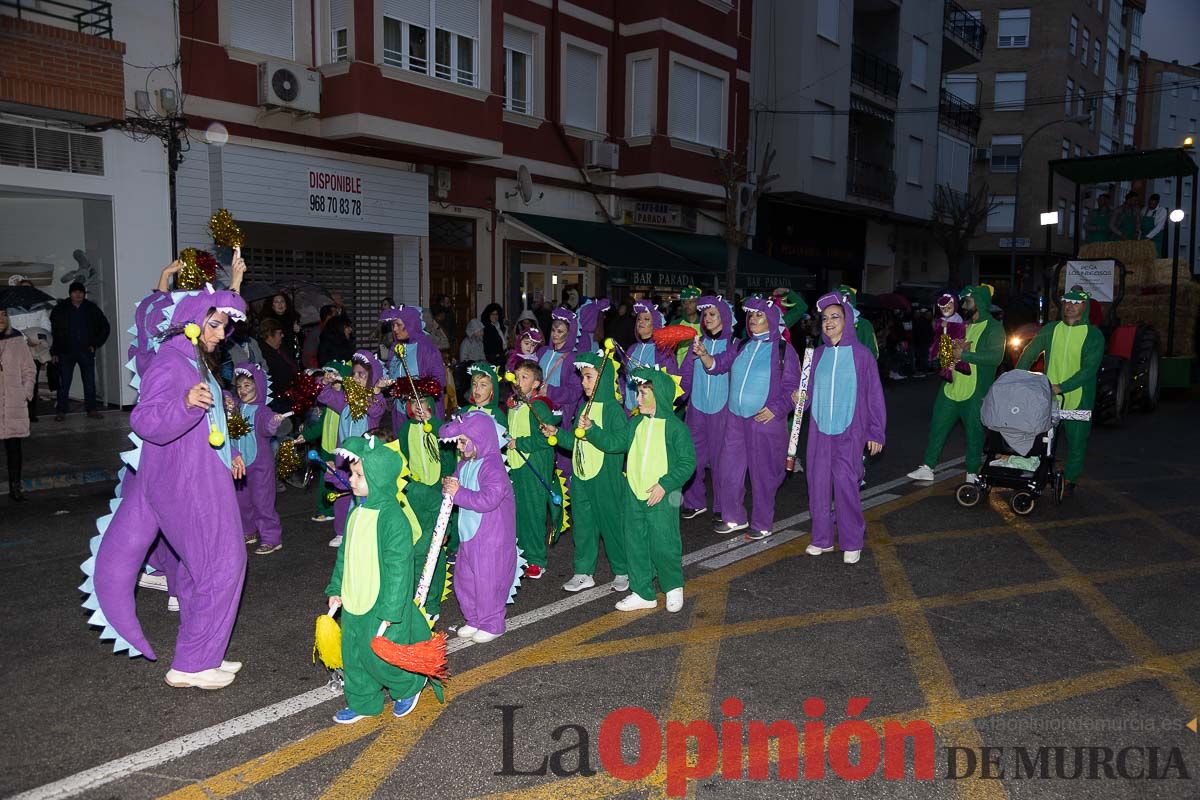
x: 773, y: 312
x: 413, y: 318
x: 836, y: 299
x: 255, y: 373
x: 478, y: 426
x: 647, y: 307
x: 563, y: 314
x: 589, y: 320
x: 723, y: 308
x: 371, y: 362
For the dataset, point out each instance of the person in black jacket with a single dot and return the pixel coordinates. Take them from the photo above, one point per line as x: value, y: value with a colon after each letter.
x: 79, y: 329
x: 337, y: 340
x: 281, y: 367
x: 495, y: 335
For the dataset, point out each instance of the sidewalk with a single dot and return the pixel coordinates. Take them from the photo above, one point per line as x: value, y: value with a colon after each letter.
x: 76, y: 451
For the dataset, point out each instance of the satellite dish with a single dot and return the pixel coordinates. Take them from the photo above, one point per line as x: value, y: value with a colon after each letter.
x: 524, y: 183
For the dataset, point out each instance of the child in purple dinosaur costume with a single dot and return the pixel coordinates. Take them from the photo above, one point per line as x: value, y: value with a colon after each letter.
x: 707, y: 401
x: 421, y: 356
x: 525, y: 348
x: 560, y: 379
x: 644, y: 352
x: 764, y: 377
x: 847, y: 413
x: 488, y: 568
x: 256, y: 494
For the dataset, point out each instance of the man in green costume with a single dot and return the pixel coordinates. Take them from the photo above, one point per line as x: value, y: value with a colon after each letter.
x: 1074, y: 350
x: 597, y: 481
x: 660, y: 460
x: 960, y: 399
x: 530, y: 457
x: 863, y: 329
x: 689, y: 316
x: 372, y: 581
x: 321, y: 433
x: 1126, y: 224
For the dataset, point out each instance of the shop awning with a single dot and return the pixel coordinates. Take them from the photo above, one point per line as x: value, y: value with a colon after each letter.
x: 755, y: 270
x: 608, y: 245
x: 1167, y: 162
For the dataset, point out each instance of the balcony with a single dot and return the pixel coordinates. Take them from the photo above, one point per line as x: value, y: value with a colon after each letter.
x: 963, y: 35
x: 85, y: 16
x: 958, y: 115
x: 870, y: 181
x: 874, y: 73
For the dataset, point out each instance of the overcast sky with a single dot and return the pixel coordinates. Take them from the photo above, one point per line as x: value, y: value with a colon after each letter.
x: 1171, y: 30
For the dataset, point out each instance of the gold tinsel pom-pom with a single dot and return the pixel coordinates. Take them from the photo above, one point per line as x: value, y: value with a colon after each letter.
x: 224, y: 231
x: 287, y: 460
x: 238, y: 425
x: 190, y: 277
x: 945, y: 351
x: 358, y: 398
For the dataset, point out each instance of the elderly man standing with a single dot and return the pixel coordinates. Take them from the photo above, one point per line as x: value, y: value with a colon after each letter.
x: 80, y: 329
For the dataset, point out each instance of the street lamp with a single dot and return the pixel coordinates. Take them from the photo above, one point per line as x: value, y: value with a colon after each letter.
x: 1176, y: 215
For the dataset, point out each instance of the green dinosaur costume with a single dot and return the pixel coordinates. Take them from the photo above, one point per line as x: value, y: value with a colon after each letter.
x: 659, y: 451
x: 960, y: 399
x: 597, y: 477
x: 1073, y: 356
x: 493, y: 407
x: 535, y: 455
x: 373, y: 576
x: 794, y: 307
x: 321, y: 435
x: 863, y: 329
x: 688, y: 293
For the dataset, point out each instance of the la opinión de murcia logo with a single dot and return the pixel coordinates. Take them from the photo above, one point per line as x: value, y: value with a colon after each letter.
x: 852, y: 750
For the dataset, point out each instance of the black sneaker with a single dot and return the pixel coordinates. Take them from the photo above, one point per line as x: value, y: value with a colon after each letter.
x: 726, y: 528
x: 691, y: 513
x: 754, y: 536
x: 1068, y: 490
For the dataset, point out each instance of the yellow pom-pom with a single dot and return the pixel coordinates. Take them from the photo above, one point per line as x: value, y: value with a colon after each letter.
x: 399, y: 350
x: 331, y: 497
x: 427, y: 427
x: 579, y: 433
x: 224, y: 231
x: 215, y: 437
x: 552, y: 440
x: 287, y: 460
x: 192, y: 331
x: 510, y: 377
x: 190, y: 276
x: 327, y: 644
x: 609, y: 345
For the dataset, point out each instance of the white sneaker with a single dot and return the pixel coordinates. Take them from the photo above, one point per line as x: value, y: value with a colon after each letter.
x: 634, y: 602
x: 620, y: 583
x: 972, y: 477
x: 173, y: 604
x: 675, y: 600
x: 851, y: 556
x: 483, y: 637
x: 232, y: 667
x: 335, y: 541
x: 466, y: 631
x: 813, y: 550
x: 205, y: 679
x: 922, y: 473
x: 578, y: 583
x: 156, y: 582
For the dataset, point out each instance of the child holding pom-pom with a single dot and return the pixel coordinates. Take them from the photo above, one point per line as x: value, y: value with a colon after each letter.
x: 256, y: 493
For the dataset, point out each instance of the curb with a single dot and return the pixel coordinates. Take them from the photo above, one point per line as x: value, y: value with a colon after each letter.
x: 62, y: 480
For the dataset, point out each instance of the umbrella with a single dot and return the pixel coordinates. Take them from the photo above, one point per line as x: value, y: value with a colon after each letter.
x: 894, y: 302
x: 26, y: 297
x: 257, y: 290
x: 307, y: 298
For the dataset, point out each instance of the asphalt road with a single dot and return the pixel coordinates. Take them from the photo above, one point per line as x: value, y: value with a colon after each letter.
x: 1074, y: 627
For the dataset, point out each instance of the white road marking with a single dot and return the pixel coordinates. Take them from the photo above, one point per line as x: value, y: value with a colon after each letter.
x: 185, y: 745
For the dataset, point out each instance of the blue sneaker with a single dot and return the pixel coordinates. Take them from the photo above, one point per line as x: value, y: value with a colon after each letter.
x: 348, y: 716
x: 404, y: 707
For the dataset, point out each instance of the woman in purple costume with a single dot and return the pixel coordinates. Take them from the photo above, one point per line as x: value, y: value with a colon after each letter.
x: 847, y: 413
x: 644, y: 352
x: 560, y: 379
x: 707, y: 401
x: 421, y: 356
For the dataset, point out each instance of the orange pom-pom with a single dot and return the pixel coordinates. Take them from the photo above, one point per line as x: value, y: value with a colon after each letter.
x: 669, y: 338
x: 426, y: 658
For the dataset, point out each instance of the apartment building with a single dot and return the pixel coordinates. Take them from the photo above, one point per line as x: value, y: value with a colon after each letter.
x: 1058, y: 79
x: 850, y: 95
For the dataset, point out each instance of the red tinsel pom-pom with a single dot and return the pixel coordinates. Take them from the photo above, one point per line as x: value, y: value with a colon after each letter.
x: 402, y: 389
x: 669, y: 338
x: 207, y: 263
x: 302, y: 394
x: 426, y: 658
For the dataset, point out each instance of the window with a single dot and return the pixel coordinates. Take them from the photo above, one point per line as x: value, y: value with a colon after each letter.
x: 1191, y: 126
x: 1010, y: 91
x: 1081, y: 95
x: 954, y: 162
x: 1171, y: 122
x: 1174, y: 89
x: 1091, y: 112
x: 1083, y: 49
x: 695, y: 108
x: 1078, y: 151
x: 920, y: 60
x: 916, y: 151
x: 1000, y: 218
x: 1096, y: 57
x: 1066, y: 148
x: 1070, y: 98
x: 339, y: 32
x: 964, y: 87
x: 1013, y: 30
x: 262, y: 26
x: 1071, y: 221
x: 582, y: 84
x: 1074, y: 34
x: 827, y: 19
x: 518, y: 70
x: 455, y: 26
x: 643, y: 108
x: 1061, y: 228
x: 1110, y: 66
x: 1006, y: 153
x: 1195, y: 94
x: 823, y: 132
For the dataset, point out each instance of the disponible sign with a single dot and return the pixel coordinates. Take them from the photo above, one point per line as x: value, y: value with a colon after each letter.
x: 335, y: 194
x: 1094, y: 277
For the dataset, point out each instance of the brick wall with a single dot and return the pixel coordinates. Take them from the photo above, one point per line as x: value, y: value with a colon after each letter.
x: 64, y: 70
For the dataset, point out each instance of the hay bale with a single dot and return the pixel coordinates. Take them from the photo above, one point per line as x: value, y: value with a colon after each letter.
x: 1128, y: 252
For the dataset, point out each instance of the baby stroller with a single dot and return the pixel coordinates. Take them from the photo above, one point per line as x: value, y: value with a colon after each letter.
x: 1020, y: 415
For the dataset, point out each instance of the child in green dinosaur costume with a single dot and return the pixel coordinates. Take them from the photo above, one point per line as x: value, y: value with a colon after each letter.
x: 597, y: 480
x: 1074, y: 350
x: 660, y: 460
x: 321, y: 433
x: 960, y: 399
x: 373, y: 583
x: 530, y: 459
x: 485, y: 392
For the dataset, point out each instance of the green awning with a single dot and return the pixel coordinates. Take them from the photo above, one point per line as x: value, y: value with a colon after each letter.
x: 599, y: 242
x: 1169, y: 162
x: 755, y: 271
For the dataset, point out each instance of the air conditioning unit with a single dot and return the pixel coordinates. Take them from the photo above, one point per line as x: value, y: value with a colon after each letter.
x: 285, y: 85
x: 983, y: 154
x: 601, y: 156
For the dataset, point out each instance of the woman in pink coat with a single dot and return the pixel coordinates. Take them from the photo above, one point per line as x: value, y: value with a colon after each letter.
x: 16, y: 390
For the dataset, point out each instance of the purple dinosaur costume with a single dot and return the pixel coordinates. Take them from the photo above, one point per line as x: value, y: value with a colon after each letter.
x: 707, y: 400
x: 488, y: 569
x: 421, y: 357
x: 845, y: 401
x: 644, y: 353
x: 590, y: 314
x: 256, y: 493
x: 348, y: 426
x: 559, y: 375
x: 186, y: 490
x: 763, y: 373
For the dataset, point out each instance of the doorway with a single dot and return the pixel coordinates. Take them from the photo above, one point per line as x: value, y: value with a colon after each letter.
x: 452, y: 268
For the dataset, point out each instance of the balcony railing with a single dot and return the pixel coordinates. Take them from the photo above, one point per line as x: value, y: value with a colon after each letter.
x: 958, y: 114
x: 874, y: 72
x: 87, y: 16
x: 869, y: 180
x: 960, y: 24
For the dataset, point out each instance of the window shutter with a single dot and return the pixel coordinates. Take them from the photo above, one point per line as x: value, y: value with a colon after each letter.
x: 709, y: 111
x: 642, y: 114
x: 1013, y: 30
x: 262, y: 26
x: 683, y: 104
x: 458, y: 16
x: 414, y: 11
x: 518, y: 39
x: 920, y: 62
x: 964, y: 87
x: 338, y: 14
x: 582, y: 86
